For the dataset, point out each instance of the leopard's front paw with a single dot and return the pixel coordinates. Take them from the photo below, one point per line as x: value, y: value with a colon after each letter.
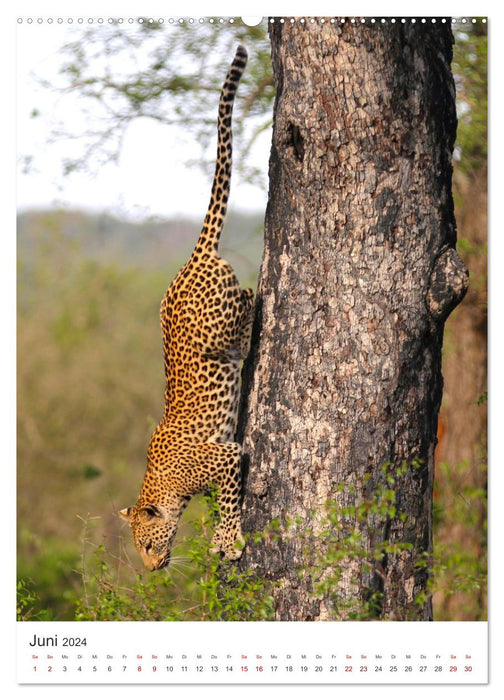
x: 232, y: 549
x: 234, y: 552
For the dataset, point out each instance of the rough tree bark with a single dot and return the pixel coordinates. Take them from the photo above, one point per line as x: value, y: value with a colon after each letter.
x: 343, y: 385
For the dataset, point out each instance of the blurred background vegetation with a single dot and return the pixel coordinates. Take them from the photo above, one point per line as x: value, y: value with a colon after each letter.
x: 90, y: 378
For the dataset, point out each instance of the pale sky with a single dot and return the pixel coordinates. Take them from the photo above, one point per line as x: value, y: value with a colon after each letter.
x: 141, y: 184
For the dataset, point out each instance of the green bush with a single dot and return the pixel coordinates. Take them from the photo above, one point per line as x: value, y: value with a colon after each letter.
x: 196, y: 586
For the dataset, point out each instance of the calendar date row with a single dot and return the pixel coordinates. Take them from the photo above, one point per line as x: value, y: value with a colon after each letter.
x: 255, y: 669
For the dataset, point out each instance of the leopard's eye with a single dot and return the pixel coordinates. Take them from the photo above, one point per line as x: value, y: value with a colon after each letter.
x: 148, y: 546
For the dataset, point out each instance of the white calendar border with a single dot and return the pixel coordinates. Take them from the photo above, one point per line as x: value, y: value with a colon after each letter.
x: 9, y: 626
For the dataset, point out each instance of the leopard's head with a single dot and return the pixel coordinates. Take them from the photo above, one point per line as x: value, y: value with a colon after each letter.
x: 153, y: 528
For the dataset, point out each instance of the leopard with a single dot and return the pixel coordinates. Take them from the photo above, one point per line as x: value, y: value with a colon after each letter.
x: 206, y: 322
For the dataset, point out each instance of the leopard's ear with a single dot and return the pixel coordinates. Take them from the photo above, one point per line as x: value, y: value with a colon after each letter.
x: 125, y: 513
x: 149, y: 513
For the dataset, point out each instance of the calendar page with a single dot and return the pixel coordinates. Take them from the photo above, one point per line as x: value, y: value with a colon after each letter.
x: 252, y: 652
x: 251, y: 349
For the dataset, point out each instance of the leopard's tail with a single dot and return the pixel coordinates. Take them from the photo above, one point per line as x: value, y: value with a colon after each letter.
x: 214, y: 220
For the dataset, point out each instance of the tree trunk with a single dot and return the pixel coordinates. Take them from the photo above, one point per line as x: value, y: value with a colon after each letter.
x: 343, y: 384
